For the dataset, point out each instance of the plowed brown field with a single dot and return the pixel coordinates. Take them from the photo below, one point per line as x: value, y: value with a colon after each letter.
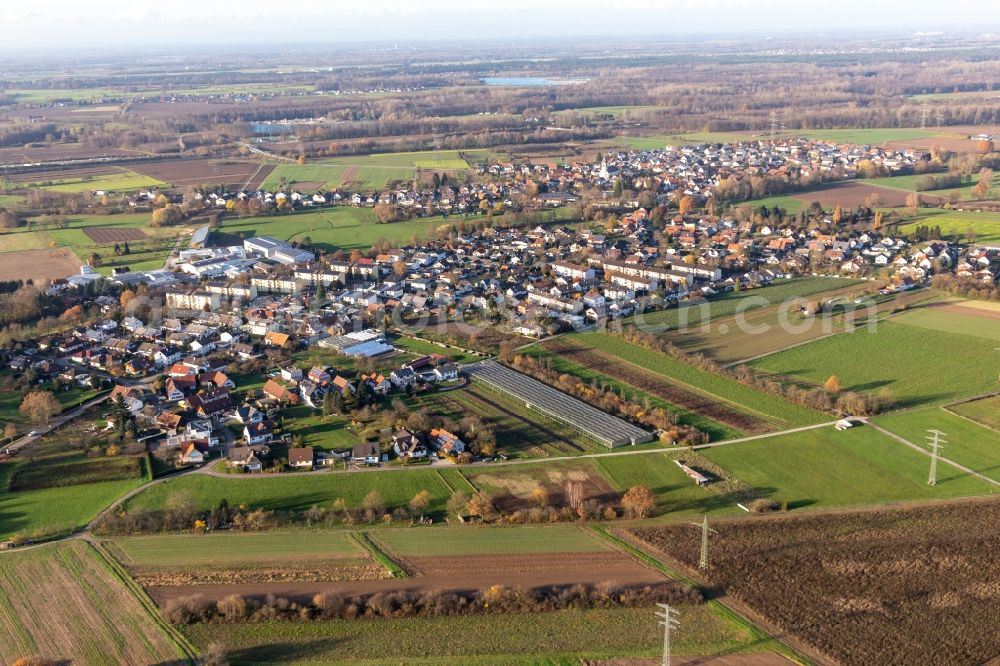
x: 458, y: 573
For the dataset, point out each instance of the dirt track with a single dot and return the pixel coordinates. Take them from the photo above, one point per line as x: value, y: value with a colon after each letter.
x: 659, y: 387
x: 458, y: 573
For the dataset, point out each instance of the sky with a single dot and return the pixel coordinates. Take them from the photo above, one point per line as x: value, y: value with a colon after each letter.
x: 61, y: 24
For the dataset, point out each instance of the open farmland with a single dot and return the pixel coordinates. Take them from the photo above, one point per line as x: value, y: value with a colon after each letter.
x: 186, y: 560
x: 700, y: 313
x: 372, y: 171
x: 104, y: 235
x: 182, y: 174
x: 123, y: 180
x: 763, y: 406
x: 968, y: 443
x: 842, y: 583
x: 545, y: 555
x: 592, y: 422
x: 855, y: 194
x: 298, y: 493
x: 648, y: 382
x: 336, y: 228
x: 824, y: 467
x: 985, y: 411
x: 733, y: 340
x: 59, y: 494
x: 65, y: 603
x: 917, y: 365
x: 485, y: 541
x: 42, y: 264
x: 954, y: 224
x: 516, y: 639
x: 955, y: 317
x: 435, y: 558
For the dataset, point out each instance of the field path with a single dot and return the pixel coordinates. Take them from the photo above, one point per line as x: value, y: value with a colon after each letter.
x: 917, y: 447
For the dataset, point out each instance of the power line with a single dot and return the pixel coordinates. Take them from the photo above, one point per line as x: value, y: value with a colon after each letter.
x: 936, y: 439
x: 669, y: 621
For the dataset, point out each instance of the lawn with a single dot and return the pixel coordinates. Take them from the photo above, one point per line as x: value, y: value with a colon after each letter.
x: 918, y: 366
x: 726, y: 390
x: 957, y: 224
x: 559, y: 637
x: 448, y: 541
x: 969, y: 444
x: 38, y: 513
x: 825, y: 468
x: 425, y: 347
x: 64, y: 602
x: 290, y: 492
x: 234, y: 547
x: 324, y: 432
x: 985, y: 411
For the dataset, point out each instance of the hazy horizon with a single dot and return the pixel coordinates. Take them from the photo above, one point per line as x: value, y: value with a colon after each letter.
x: 57, y: 25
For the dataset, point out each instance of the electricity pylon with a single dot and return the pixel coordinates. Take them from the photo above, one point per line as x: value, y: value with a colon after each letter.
x: 705, y: 529
x: 669, y: 622
x: 936, y: 439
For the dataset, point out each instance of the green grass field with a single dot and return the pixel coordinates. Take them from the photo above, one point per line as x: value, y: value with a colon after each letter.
x: 919, y: 366
x: 975, y: 446
x: 234, y: 548
x: 723, y: 305
x: 709, y: 426
x: 11, y: 201
x: 949, y: 321
x: 123, y: 182
x: 769, y: 406
x: 673, y: 489
x: 956, y: 224
x: 38, y: 513
x: 440, y: 541
x: 909, y: 183
x: 288, y: 492
x: 319, y: 431
x: 516, y: 639
x: 425, y: 347
x: 336, y: 228
x: 985, y: 411
x: 373, y: 171
x: 825, y: 468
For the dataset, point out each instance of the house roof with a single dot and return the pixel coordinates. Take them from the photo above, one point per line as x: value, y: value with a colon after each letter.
x: 300, y: 454
x: 275, y: 338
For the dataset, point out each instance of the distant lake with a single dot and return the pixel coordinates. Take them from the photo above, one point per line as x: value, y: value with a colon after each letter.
x: 529, y: 81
